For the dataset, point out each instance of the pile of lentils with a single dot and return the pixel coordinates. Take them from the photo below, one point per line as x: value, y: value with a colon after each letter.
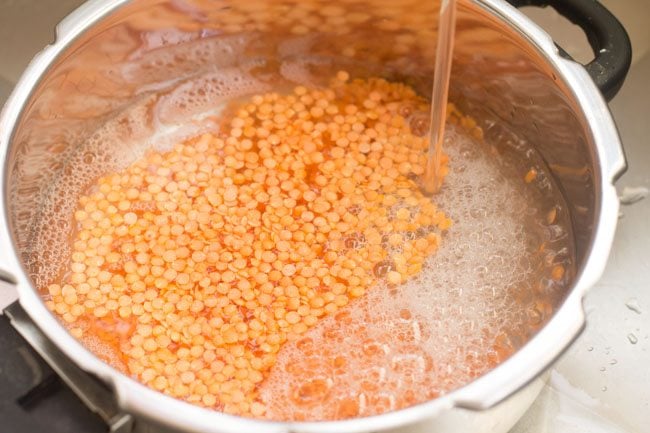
x: 195, y: 265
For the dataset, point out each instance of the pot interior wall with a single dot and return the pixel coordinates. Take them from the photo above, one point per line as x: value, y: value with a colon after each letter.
x: 123, y: 79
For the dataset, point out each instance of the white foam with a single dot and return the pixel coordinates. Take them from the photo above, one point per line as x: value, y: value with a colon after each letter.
x: 195, y: 98
x: 181, y: 60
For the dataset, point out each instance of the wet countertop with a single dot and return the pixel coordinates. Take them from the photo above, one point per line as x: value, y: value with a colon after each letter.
x: 602, y: 383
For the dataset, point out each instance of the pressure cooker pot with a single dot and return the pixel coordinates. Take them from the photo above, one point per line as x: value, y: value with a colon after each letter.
x: 124, y: 75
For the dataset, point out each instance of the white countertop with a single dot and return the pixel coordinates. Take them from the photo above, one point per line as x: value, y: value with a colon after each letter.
x: 602, y: 384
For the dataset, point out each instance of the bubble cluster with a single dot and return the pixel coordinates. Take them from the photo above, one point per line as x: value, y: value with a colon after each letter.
x: 475, y: 302
x: 153, y: 67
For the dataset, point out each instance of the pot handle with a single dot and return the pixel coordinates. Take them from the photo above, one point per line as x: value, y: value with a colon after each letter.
x: 606, y: 35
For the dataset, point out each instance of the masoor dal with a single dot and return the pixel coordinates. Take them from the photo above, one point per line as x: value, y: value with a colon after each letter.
x: 191, y: 268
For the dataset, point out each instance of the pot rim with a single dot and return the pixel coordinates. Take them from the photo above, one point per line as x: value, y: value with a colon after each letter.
x: 483, y: 393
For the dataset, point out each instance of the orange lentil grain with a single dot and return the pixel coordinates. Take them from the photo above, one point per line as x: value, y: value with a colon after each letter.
x: 197, y: 264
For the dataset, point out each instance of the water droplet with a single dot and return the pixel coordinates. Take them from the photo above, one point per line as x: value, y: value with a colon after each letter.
x: 613, y: 362
x: 590, y: 348
x: 633, y: 304
x: 632, y: 338
x: 603, y: 369
x: 603, y: 389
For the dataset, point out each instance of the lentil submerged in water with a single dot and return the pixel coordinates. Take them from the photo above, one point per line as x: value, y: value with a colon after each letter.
x: 192, y: 268
x: 288, y: 266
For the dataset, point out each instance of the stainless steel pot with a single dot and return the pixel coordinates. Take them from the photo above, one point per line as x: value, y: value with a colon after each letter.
x: 508, y: 74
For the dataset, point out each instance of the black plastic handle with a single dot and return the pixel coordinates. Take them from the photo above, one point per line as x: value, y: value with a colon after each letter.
x: 606, y: 35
